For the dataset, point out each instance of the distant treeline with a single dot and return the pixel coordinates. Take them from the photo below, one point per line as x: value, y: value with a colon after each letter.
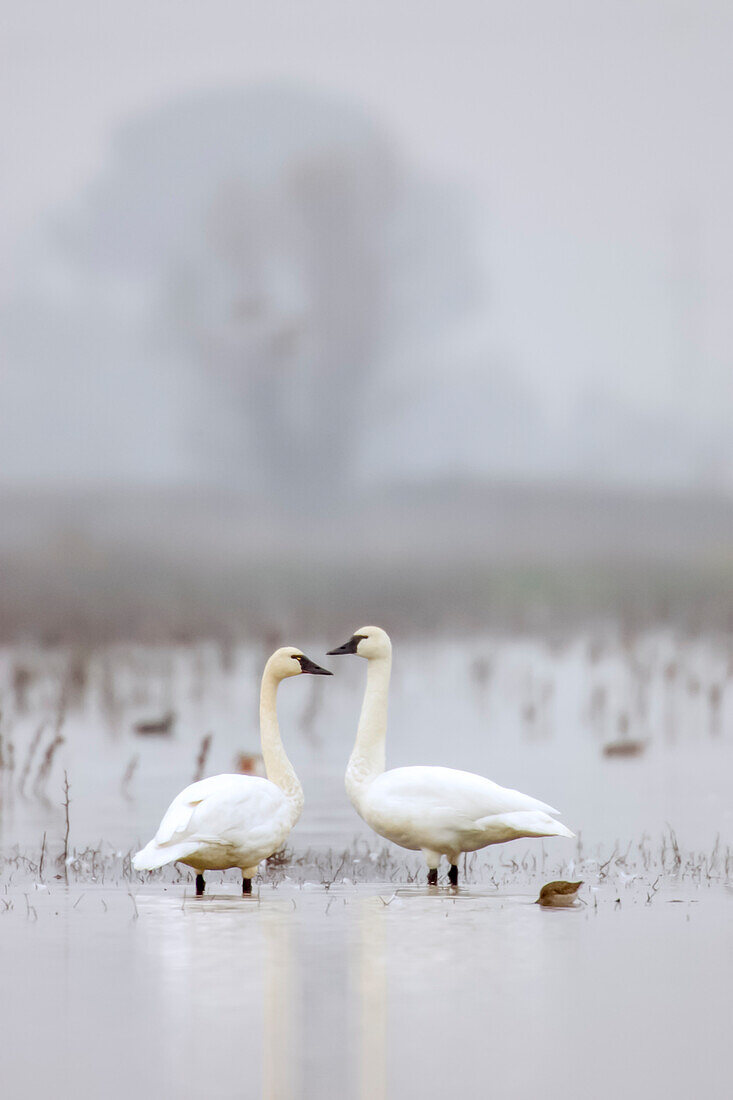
x: 161, y: 566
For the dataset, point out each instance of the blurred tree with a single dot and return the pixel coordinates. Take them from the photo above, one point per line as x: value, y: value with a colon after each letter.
x: 288, y: 250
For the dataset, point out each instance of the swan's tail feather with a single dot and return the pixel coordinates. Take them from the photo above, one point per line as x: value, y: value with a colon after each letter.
x: 532, y: 823
x: 558, y: 829
x: 153, y: 856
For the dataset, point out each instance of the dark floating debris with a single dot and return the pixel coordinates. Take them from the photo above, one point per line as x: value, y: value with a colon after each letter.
x: 625, y: 746
x: 156, y: 727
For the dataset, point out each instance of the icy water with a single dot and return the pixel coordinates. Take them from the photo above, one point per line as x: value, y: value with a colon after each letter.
x: 366, y: 993
x: 344, y: 975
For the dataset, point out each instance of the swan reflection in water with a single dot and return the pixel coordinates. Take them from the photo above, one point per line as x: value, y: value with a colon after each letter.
x: 244, y: 993
x: 372, y: 994
x: 281, y: 1009
x: 228, y: 1010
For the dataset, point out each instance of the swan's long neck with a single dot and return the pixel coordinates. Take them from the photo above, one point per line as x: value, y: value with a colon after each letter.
x: 367, y: 760
x: 277, y: 766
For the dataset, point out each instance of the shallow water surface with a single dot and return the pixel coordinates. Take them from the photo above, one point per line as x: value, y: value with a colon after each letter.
x: 365, y: 992
x: 121, y: 984
x: 528, y: 714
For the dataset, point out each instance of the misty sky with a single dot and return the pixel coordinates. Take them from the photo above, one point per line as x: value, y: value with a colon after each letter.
x: 590, y: 140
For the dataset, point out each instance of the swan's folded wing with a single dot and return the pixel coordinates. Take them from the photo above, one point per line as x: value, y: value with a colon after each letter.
x: 212, y: 807
x: 471, y: 796
x: 177, y: 817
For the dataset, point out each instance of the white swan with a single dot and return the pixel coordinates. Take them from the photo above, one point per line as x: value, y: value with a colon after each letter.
x: 237, y: 820
x: 439, y: 811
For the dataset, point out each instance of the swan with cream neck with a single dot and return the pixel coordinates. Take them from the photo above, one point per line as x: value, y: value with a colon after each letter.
x: 237, y: 820
x: 439, y: 811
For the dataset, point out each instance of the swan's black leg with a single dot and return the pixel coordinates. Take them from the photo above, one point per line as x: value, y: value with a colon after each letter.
x: 453, y: 875
x: 433, y: 876
x: 246, y: 885
x: 200, y: 884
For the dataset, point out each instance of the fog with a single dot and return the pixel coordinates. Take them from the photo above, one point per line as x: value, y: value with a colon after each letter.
x: 320, y: 277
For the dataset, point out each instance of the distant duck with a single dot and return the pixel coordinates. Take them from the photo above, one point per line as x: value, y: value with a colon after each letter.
x: 559, y: 895
x: 237, y: 820
x: 439, y: 811
x: 156, y: 727
x: 625, y: 746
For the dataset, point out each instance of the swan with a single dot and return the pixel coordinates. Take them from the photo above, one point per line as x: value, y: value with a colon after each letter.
x: 237, y: 820
x: 439, y: 811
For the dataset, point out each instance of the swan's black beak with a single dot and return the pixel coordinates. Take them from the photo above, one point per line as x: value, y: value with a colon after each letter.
x: 347, y: 647
x: 306, y: 665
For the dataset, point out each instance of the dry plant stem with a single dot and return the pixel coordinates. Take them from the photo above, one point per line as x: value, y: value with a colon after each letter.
x: 43, y: 853
x: 653, y: 889
x: 66, y: 833
x: 7, y: 755
x: 46, y: 764
x: 202, y: 757
x: 29, y: 758
x: 328, y: 883
x: 129, y: 773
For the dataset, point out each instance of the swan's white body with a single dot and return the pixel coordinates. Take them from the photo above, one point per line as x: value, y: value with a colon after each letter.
x: 236, y: 820
x: 439, y: 811
x: 444, y: 811
x: 219, y: 822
